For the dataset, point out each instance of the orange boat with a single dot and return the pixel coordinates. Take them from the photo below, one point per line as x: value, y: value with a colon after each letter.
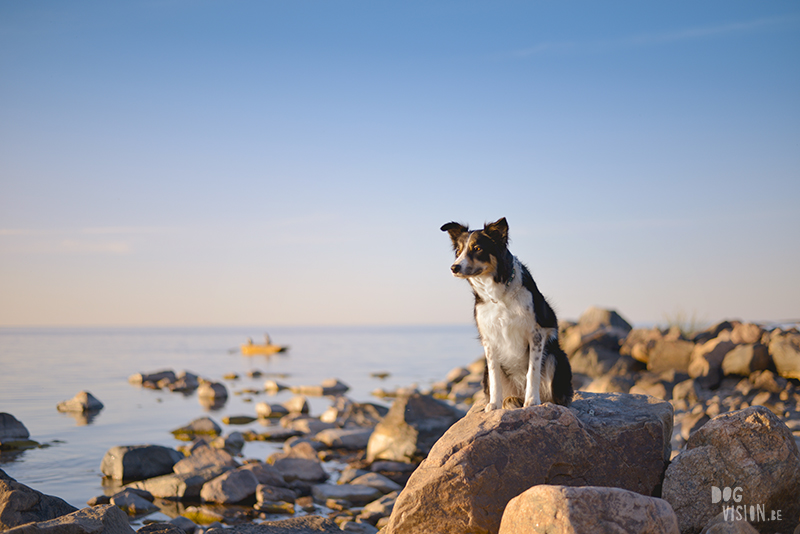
x: 255, y: 349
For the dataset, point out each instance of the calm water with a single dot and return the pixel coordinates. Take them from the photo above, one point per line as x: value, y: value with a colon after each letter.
x: 41, y: 367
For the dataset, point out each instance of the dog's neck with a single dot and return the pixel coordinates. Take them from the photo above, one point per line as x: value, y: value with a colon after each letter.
x: 490, y: 290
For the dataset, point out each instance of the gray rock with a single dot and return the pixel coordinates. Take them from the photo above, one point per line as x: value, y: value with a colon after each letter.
x: 345, y: 438
x: 184, y: 523
x: 265, y: 473
x: 331, y: 386
x: 594, y: 319
x: 301, y: 469
x: 20, y: 504
x: 270, y: 411
x: 413, y: 424
x: 103, y: 519
x: 377, y: 481
x: 353, y: 493
x: 570, y: 510
x: 309, y: 524
x: 212, y: 390
x: 161, y: 528
x: 139, y: 378
x: 670, y: 354
x: 11, y: 429
x: 267, y: 493
x: 347, y: 413
x: 205, y: 457
x: 750, y: 449
x: 202, y: 426
x: 178, y: 485
x: 137, y: 462
x: 486, y: 459
x: 230, y: 487
x: 132, y: 503
x: 82, y: 402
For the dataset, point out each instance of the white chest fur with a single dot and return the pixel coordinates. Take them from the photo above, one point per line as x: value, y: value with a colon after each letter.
x: 505, y: 319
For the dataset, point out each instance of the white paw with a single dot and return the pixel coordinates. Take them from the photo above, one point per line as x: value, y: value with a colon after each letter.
x: 530, y: 401
x: 492, y: 406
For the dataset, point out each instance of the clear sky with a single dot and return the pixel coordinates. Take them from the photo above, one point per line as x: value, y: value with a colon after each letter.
x: 191, y: 162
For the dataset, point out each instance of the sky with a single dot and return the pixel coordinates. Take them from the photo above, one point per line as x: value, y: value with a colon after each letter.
x: 179, y: 162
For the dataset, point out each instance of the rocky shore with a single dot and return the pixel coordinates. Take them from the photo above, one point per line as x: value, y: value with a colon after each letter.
x: 669, y: 432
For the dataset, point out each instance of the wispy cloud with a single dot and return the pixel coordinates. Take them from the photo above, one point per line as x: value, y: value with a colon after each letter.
x: 649, y: 39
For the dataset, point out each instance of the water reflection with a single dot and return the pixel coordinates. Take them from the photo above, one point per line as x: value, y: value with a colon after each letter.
x: 83, y: 418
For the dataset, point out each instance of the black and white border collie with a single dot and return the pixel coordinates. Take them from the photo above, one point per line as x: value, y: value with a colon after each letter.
x: 525, y: 364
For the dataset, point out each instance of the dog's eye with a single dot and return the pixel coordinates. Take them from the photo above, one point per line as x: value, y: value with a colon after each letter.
x: 476, y: 249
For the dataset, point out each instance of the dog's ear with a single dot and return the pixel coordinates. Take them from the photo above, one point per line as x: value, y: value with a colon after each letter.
x: 455, y: 230
x: 497, y: 231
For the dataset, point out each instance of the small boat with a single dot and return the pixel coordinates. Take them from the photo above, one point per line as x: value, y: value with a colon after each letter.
x: 265, y: 349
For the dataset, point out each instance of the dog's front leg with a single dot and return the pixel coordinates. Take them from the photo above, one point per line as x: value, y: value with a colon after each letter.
x: 495, y: 387
x: 534, y: 376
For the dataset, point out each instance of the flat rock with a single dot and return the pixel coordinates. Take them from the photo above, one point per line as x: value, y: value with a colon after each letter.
x: 102, y: 519
x: 576, y: 510
x: 137, y: 462
x: 309, y: 524
x: 132, y: 503
x: 178, y: 486
x: 345, y: 438
x: 155, y: 377
x: 356, y: 494
x: 745, y: 359
x: 212, y: 390
x: 82, y: 402
x: 377, y: 481
x: 486, y: 459
x: 750, y: 449
x: 267, y: 493
x: 265, y: 473
x: 202, y: 426
x: 20, y: 504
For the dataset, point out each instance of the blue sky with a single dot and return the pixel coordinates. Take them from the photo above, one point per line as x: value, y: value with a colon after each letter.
x: 256, y: 162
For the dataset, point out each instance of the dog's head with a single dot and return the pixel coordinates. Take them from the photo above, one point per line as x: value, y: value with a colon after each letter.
x: 478, y: 252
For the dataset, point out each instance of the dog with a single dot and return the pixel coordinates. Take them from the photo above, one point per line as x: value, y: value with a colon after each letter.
x: 517, y: 327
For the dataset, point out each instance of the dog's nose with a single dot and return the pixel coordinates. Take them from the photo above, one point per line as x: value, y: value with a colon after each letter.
x: 456, y: 268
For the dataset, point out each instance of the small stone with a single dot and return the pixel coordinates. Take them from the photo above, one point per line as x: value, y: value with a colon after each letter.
x: 82, y: 402
x: 132, y: 503
x: 356, y: 494
x: 266, y: 411
x: 212, y: 390
x: 238, y: 419
x: 377, y: 481
x: 202, y: 426
x: 266, y: 493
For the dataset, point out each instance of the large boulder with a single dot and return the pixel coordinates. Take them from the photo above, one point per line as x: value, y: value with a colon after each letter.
x: 576, y: 510
x: 595, y: 318
x: 102, y: 519
x: 486, y: 459
x: 20, y: 504
x: 785, y: 350
x: 750, y: 457
x: 137, y: 462
x: 410, y: 429
x: 746, y: 359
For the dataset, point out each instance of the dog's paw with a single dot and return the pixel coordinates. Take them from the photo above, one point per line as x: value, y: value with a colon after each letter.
x: 492, y: 406
x: 530, y: 401
x: 510, y: 403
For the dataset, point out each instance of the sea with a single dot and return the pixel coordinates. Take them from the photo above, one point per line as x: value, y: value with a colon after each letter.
x: 40, y: 367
